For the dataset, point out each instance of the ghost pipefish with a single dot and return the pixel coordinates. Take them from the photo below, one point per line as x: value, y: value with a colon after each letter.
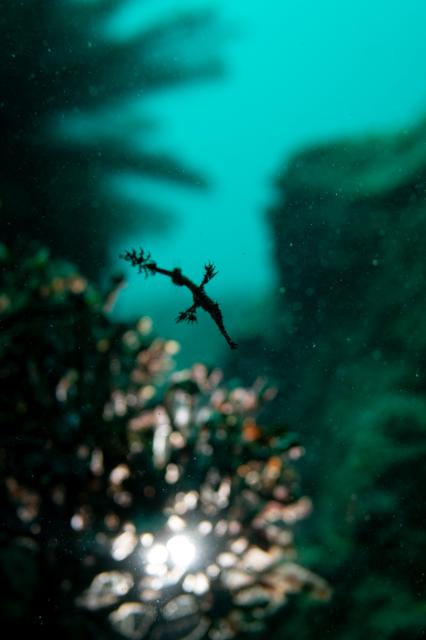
x: 143, y: 261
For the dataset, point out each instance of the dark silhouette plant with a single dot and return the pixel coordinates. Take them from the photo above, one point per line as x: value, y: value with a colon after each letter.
x: 74, y: 122
x: 147, y: 266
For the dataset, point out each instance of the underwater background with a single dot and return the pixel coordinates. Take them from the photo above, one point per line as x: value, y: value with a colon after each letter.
x: 154, y: 482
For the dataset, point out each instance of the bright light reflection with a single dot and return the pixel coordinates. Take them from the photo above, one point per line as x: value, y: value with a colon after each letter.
x: 157, y: 554
x: 182, y: 551
x: 169, y: 561
x: 198, y: 584
x: 147, y: 539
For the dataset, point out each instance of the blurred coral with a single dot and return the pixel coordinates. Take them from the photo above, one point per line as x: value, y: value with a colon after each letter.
x: 141, y: 501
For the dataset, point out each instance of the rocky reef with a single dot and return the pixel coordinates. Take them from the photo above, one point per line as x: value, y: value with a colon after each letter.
x: 350, y: 223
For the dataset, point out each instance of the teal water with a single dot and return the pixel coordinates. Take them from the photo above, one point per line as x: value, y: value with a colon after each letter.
x: 128, y: 485
x: 296, y: 73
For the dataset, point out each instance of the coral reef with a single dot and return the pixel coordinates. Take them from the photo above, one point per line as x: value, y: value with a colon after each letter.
x: 136, y: 501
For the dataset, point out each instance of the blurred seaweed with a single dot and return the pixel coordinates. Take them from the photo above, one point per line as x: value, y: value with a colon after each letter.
x: 136, y: 501
x: 74, y: 120
x: 349, y: 223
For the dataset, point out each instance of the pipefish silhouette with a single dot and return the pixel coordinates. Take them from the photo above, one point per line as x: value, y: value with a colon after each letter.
x: 143, y: 261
